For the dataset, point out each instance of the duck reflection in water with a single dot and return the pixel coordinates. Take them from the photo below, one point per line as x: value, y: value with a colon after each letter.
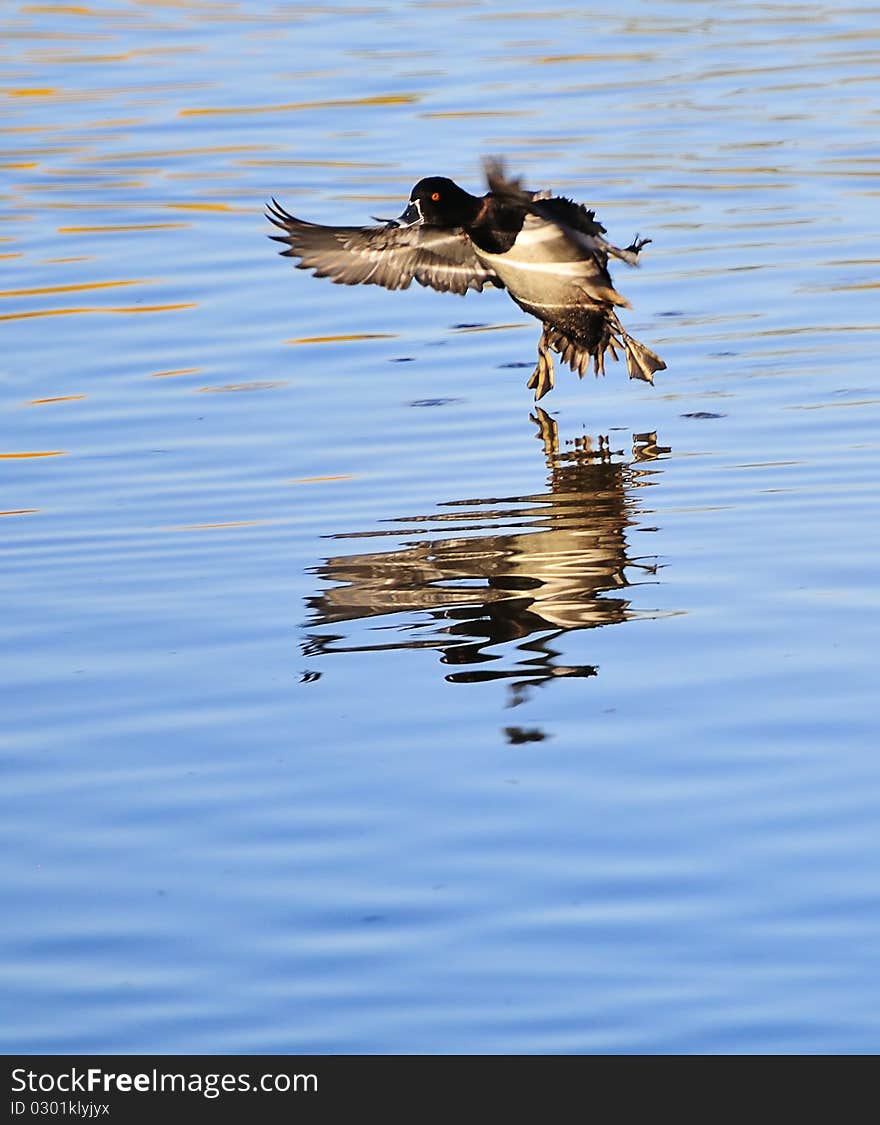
x: 497, y: 581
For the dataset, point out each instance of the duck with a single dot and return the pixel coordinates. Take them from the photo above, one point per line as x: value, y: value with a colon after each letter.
x: 549, y: 252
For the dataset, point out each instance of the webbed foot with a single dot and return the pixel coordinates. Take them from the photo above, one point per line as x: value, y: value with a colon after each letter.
x: 637, y: 243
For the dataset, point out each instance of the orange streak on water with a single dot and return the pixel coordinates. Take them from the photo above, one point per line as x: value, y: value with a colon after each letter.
x: 41, y: 453
x: 161, y: 154
x: 177, y: 371
x: 479, y: 113
x: 120, y: 227
x: 73, y: 312
x: 68, y: 288
x: 32, y: 92
x: 206, y: 207
x: 57, y: 398
x: 273, y: 162
x: 340, y: 103
x: 58, y: 9
x: 342, y: 339
x: 152, y: 308
x: 321, y: 480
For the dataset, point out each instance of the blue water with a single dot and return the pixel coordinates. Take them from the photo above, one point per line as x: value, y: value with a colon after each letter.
x: 353, y: 704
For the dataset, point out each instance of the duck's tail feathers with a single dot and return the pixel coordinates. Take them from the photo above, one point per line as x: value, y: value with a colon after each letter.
x: 571, y: 352
x: 641, y: 362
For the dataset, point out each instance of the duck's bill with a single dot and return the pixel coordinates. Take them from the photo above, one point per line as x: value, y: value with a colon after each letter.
x: 411, y: 217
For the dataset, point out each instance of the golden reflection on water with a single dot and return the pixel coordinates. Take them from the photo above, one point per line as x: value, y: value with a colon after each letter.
x: 98, y: 309
x: 115, y: 228
x: 55, y: 398
x: 291, y: 107
x: 188, y: 206
x: 79, y: 287
x: 493, y: 603
x: 322, y: 480
x: 32, y: 92
x: 477, y: 113
x: 37, y: 453
x: 175, y: 371
x: 343, y: 338
x: 164, y: 154
x: 284, y: 162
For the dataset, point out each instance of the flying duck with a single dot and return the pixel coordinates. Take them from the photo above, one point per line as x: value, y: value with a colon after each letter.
x: 548, y: 252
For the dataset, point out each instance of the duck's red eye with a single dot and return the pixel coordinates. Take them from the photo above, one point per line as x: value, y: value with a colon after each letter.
x: 435, y: 195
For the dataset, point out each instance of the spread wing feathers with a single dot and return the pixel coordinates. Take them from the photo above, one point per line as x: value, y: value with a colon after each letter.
x: 578, y: 222
x: 388, y: 255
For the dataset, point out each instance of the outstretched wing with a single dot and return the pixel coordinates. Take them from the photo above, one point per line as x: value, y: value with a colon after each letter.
x: 388, y: 255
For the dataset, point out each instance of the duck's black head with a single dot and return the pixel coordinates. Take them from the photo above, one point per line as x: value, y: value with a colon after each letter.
x: 440, y: 202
